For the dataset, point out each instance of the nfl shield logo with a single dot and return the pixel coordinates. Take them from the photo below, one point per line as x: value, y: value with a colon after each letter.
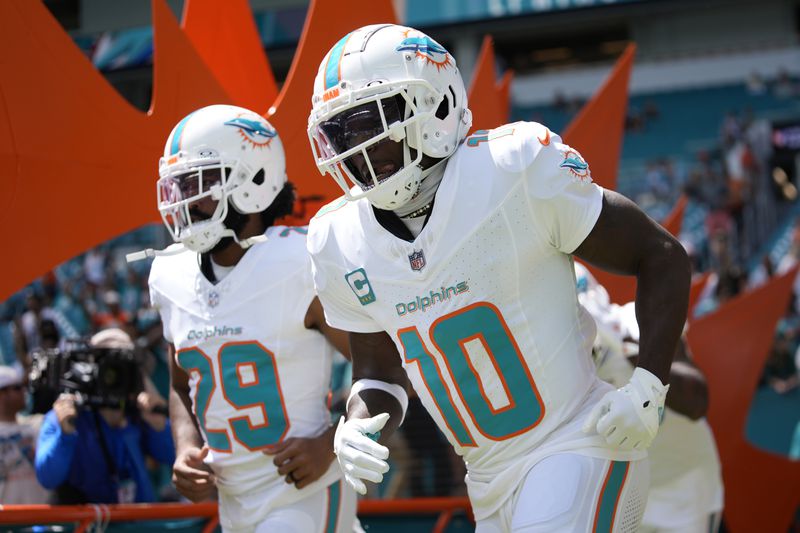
x: 417, y: 260
x: 213, y: 299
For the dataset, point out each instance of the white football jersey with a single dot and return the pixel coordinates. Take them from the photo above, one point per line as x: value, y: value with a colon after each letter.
x: 257, y: 375
x: 685, y: 474
x: 482, y: 304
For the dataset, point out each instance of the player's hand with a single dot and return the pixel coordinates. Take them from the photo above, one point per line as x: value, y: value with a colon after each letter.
x: 359, y: 454
x: 303, y: 460
x: 628, y: 417
x: 147, y: 404
x: 66, y: 412
x: 191, y: 476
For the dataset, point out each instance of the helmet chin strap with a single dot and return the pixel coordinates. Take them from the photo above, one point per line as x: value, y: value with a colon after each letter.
x: 150, y: 252
x: 429, y: 183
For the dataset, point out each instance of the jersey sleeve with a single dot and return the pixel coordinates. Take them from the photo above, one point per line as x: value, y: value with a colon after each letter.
x: 157, y: 301
x: 564, y: 201
x: 344, y: 295
x: 341, y: 304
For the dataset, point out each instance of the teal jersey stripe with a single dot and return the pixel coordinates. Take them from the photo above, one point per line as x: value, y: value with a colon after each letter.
x: 334, y: 496
x: 609, y: 496
x: 332, y: 66
x: 175, y: 145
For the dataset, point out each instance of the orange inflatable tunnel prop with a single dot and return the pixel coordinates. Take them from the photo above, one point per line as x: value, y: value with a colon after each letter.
x: 489, y: 98
x: 226, y: 37
x: 597, y: 133
x: 326, y: 23
x: 731, y: 345
x: 598, y: 129
x: 80, y: 161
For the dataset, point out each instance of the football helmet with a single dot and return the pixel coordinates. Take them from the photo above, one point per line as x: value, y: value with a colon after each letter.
x: 223, y: 154
x: 384, y: 83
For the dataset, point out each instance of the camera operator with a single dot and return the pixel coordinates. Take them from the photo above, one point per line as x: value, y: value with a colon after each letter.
x: 97, y: 454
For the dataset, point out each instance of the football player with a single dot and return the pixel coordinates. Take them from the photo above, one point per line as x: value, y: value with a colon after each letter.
x: 686, y: 491
x: 449, y: 260
x: 249, y: 349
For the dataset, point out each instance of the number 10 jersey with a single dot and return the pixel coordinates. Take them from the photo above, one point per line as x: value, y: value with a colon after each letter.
x: 482, y: 305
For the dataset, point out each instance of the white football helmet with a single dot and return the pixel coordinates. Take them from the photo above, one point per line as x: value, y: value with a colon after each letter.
x: 385, y: 83
x: 223, y: 153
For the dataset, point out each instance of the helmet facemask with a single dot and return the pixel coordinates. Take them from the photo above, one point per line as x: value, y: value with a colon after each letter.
x: 183, y: 186
x: 346, y: 132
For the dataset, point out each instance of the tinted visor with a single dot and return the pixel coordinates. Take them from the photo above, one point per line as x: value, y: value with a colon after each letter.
x: 177, y: 193
x: 356, y: 125
x: 198, y: 181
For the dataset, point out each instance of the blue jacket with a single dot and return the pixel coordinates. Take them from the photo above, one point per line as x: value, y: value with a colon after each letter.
x: 78, y: 458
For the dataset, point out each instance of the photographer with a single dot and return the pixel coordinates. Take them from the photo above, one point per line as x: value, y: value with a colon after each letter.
x: 96, y: 454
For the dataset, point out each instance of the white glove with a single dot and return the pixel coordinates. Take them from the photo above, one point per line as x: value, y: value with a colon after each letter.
x: 628, y: 417
x: 359, y: 455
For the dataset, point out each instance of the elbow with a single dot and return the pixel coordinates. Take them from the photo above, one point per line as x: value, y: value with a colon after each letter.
x: 679, y: 260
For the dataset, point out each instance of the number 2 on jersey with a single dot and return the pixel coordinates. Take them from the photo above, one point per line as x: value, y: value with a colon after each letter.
x: 482, y: 323
x: 249, y: 380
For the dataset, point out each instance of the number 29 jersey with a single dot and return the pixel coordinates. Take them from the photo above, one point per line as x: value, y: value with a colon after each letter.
x: 257, y: 375
x: 482, y: 305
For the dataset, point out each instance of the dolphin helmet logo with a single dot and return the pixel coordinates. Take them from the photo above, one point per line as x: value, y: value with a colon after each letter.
x: 256, y: 132
x: 428, y: 49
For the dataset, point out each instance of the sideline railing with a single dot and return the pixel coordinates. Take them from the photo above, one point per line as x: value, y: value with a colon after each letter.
x: 85, y: 516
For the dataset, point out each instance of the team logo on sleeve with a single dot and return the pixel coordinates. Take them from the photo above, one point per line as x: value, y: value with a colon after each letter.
x: 359, y: 284
x: 575, y: 164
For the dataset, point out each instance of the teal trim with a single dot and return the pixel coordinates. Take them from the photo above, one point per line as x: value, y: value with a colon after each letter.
x: 196, y: 360
x: 607, y: 504
x: 263, y: 392
x: 332, y: 66
x: 483, y: 322
x: 334, y: 497
x: 415, y: 351
x: 175, y: 144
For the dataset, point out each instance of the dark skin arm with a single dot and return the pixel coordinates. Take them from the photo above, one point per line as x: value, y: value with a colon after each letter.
x: 688, y: 390
x: 375, y: 356
x: 315, y: 319
x: 190, y: 475
x: 626, y: 241
x: 304, y: 460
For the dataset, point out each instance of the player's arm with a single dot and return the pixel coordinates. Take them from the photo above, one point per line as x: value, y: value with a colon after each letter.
x: 375, y: 358
x: 624, y: 240
x: 377, y: 404
x: 315, y: 319
x: 303, y: 460
x: 190, y: 475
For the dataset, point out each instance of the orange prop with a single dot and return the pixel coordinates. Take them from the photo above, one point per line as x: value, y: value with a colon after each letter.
x: 674, y: 220
x: 326, y: 23
x: 598, y: 129
x: 731, y: 345
x: 695, y: 290
x: 597, y: 133
x: 488, y: 98
x: 227, y: 39
x: 80, y: 161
